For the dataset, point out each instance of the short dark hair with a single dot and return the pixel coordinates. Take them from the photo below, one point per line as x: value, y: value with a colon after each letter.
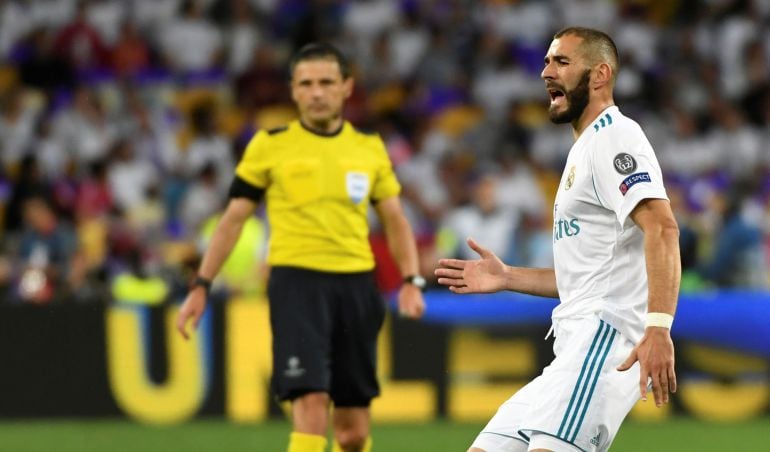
x: 596, y: 45
x: 320, y: 51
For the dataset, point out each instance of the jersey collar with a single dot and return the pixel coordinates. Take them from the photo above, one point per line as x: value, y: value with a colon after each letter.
x: 333, y: 133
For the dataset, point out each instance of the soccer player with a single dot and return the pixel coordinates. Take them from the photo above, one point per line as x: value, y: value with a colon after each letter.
x: 617, y: 269
x: 318, y: 177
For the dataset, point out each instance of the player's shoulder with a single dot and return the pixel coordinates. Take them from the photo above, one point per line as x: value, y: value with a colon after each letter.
x: 615, y: 128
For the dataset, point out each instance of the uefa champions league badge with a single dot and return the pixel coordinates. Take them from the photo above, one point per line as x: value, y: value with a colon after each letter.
x: 357, y: 185
x: 624, y: 163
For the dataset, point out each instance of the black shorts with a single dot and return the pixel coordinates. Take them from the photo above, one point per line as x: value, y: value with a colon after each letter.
x: 325, y: 328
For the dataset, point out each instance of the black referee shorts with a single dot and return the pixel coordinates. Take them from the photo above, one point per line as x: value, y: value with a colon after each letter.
x: 325, y: 328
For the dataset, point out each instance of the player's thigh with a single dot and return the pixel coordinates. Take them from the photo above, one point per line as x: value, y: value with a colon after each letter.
x: 502, y: 431
x: 586, y: 398
x: 359, y: 314
x: 301, y: 319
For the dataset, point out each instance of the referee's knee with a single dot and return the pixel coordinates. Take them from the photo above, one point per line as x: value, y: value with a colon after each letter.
x: 351, y: 439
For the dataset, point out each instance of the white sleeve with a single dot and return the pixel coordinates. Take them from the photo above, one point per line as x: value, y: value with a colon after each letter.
x: 626, y: 171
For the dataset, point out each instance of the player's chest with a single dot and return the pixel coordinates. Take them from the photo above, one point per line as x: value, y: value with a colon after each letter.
x: 577, y: 185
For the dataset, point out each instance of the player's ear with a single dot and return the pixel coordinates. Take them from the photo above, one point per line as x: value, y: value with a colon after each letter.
x: 602, y: 74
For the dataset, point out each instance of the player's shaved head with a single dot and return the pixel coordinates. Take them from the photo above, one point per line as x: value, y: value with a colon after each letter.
x: 596, y: 46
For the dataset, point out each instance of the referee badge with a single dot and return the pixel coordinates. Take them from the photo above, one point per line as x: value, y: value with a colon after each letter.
x: 357, y: 185
x: 570, y: 178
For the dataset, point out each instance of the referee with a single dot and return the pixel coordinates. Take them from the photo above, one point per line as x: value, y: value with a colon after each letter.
x: 318, y: 176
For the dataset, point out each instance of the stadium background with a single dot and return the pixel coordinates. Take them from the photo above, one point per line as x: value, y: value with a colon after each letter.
x: 120, y: 124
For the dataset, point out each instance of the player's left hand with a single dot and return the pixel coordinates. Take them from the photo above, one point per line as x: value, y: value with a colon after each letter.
x: 411, y: 303
x: 655, y: 353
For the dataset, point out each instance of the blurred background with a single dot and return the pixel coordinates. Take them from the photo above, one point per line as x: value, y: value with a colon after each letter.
x: 121, y: 123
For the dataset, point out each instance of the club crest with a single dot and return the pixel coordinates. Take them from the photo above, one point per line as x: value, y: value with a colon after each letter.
x: 624, y: 163
x: 357, y: 185
x: 570, y: 178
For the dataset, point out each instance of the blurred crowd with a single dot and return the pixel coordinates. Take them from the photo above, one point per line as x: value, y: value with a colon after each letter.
x: 121, y: 123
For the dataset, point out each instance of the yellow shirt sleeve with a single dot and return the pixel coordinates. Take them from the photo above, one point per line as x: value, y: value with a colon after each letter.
x: 386, y: 184
x: 254, y: 166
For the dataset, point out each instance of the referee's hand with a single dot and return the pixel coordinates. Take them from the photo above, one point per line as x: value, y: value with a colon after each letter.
x: 192, y: 309
x: 411, y: 303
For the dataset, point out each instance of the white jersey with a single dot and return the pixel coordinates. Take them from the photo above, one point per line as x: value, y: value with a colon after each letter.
x: 598, y: 250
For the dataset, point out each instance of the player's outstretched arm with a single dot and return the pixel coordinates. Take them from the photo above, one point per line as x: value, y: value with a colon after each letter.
x: 225, y: 236
x: 489, y: 274
x: 655, y: 352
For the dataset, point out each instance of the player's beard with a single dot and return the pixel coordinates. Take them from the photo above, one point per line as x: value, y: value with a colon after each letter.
x: 577, y: 100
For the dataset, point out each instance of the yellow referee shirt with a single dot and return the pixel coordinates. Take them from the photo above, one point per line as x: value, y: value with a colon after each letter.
x: 318, y: 189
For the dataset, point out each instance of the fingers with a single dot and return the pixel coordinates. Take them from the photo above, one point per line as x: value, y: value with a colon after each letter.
x: 643, y: 382
x: 181, y: 321
x: 657, y: 391
x: 480, y: 250
x: 663, y: 385
x: 450, y: 264
x: 412, y: 310
x: 671, y: 380
x: 448, y: 272
x: 450, y: 282
x: 625, y: 365
x: 459, y: 289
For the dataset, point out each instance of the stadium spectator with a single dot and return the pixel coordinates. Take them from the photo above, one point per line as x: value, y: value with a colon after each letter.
x: 191, y: 42
x: 18, y: 120
x: 130, y: 53
x: 45, y: 251
x: 738, y: 258
x: 318, y: 176
x: 80, y: 44
x: 485, y: 217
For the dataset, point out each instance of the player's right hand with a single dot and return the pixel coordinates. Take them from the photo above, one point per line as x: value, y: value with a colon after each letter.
x: 192, y: 309
x: 484, y: 275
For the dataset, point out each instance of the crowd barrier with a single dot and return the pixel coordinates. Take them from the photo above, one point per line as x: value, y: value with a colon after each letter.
x: 467, y: 356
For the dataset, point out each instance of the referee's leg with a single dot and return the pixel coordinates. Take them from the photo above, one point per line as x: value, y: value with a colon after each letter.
x: 351, y: 429
x: 310, y: 419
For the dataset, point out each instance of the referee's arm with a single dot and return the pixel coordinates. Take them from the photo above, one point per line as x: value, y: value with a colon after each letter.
x: 226, y: 234
x: 403, y: 248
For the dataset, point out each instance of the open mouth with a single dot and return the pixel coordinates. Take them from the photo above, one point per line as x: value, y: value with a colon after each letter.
x: 555, y: 94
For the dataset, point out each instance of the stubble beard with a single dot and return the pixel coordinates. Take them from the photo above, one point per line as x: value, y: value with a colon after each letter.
x: 577, y: 101
x: 322, y: 123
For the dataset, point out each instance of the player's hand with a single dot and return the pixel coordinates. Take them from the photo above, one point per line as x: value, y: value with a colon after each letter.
x: 484, y: 275
x: 411, y: 303
x: 192, y: 309
x: 655, y: 353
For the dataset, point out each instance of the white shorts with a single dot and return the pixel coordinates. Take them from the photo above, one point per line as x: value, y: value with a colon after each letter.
x: 579, y: 399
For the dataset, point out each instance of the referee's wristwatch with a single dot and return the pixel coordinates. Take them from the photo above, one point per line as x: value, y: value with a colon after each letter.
x: 202, y: 282
x: 416, y: 280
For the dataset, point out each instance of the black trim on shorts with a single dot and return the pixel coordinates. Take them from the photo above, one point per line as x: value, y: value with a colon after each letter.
x: 239, y: 188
